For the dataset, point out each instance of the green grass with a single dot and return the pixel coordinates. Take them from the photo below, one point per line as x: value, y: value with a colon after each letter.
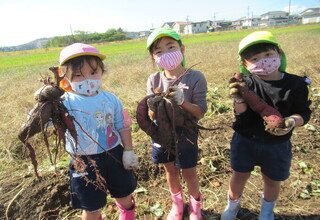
x: 15, y: 62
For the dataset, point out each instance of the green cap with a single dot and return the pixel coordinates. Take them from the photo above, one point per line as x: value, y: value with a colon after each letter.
x: 259, y: 37
x: 161, y: 32
x: 164, y: 32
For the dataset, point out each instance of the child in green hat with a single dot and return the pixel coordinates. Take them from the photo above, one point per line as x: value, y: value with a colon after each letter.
x: 263, y: 64
x: 167, y: 52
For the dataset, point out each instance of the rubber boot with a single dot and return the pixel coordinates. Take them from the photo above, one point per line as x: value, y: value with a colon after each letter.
x: 231, y: 211
x: 266, y: 212
x: 176, y: 212
x: 195, y: 207
x: 127, y: 214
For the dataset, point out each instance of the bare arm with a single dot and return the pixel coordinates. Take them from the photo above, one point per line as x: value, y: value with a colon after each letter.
x: 193, y: 109
x: 126, y: 139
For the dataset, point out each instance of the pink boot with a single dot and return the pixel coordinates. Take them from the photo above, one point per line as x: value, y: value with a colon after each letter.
x: 126, y: 214
x: 176, y: 212
x: 195, y: 208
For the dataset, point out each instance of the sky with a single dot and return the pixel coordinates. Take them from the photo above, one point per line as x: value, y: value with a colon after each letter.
x: 22, y: 21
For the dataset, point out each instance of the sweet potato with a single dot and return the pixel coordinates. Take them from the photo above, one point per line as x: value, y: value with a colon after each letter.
x: 270, y: 115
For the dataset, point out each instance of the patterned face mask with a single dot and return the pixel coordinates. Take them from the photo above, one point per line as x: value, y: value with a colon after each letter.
x: 86, y: 87
x: 170, y: 60
x: 265, y: 66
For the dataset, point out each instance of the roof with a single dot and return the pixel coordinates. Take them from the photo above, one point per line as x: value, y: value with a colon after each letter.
x: 311, y: 11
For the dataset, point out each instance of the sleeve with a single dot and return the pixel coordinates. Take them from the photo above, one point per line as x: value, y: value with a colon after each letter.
x: 302, y: 103
x: 200, y: 93
x: 150, y: 85
x: 118, y: 116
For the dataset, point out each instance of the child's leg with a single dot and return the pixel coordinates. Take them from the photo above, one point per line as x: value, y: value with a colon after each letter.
x: 236, y: 187
x: 271, y: 189
x: 87, y: 215
x: 269, y: 198
x: 173, y: 177
x: 175, y: 188
x: 191, y: 177
x: 126, y: 202
x: 192, y: 180
x: 237, y: 184
x: 127, y: 207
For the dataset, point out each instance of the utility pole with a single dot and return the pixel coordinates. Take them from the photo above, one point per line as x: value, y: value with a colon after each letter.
x: 289, y: 11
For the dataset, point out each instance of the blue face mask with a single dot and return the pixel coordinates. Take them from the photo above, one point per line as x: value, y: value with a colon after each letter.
x: 86, y: 87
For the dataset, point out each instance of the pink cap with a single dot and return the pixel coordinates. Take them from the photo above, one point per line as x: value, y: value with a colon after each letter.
x: 79, y: 49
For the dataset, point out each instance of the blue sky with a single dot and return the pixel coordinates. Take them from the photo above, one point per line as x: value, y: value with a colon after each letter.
x: 22, y: 21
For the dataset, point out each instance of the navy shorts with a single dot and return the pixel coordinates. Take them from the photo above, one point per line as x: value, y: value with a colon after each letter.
x: 274, y: 159
x: 118, y: 181
x: 187, y: 150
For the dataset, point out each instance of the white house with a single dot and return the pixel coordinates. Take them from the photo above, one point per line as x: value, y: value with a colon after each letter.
x: 179, y: 27
x: 274, y: 18
x: 197, y: 27
x: 251, y: 22
x: 310, y: 15
x: 167, y: 25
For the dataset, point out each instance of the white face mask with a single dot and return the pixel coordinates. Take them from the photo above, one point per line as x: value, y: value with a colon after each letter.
x: 86, y: 87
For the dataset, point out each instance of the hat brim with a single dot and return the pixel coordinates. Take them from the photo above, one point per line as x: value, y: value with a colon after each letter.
x: 100, y: 55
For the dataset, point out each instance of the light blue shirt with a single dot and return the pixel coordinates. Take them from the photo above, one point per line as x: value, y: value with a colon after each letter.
x: 99, y: 121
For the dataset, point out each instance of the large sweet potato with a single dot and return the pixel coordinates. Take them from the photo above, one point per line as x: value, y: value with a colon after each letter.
x: 270, y: 115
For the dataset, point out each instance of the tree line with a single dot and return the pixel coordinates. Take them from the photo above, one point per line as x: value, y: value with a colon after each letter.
x: 88, y: 38
x: 78, y: 36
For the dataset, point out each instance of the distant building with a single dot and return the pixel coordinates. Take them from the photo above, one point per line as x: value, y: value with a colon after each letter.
x: 252, y: 22
x: 179, y: 26
x: 197, y: 27
x: 167, y: 25
x: 310, y: 15
x: 274, y: 18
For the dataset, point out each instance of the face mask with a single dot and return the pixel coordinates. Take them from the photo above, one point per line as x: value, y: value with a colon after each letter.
x: 170, y: 60
x: 86, y: 87
x: 265, y: 66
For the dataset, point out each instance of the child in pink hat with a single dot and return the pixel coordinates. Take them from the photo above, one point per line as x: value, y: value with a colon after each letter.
x: 104, y: 143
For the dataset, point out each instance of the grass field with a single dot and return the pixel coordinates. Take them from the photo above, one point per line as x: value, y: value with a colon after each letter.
x: 128, y: 64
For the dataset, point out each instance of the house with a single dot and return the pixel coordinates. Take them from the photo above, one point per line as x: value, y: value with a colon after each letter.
x: 310, y: 15
x: 179, y: 27
x: 274, y: 18
x: 197, y: 27
x: 167, y: 25
x: 238, y: 24
x: 221, y: 25
x: 251, y: 22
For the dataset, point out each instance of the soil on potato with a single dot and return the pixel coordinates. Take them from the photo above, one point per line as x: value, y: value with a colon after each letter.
x: 25, y: 197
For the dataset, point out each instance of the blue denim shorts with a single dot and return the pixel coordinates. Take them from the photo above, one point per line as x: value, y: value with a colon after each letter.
x: 118, y: 181
x: 184, y: 155
x: 274, y: 159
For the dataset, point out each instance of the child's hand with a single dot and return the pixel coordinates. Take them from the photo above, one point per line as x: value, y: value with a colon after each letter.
x: 289, y: 123
x: 235, y: 93
x: 234, y: 84
x: 129, y: 160
x: 177, y: 94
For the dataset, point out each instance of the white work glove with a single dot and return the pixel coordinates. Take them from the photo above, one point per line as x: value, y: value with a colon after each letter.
x: 129, y: 160
x: 289, y: 123
x: 177, y: 94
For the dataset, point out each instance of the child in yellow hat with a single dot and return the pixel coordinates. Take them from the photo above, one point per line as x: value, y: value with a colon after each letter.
x: 263, y: 63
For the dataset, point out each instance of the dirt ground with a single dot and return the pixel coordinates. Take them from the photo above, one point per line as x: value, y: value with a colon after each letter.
x: 24, y: 197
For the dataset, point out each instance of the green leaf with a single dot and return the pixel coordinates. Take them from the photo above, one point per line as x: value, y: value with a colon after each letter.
x: 156, y: 209
x: 310, y: 127
x: 315, y: 183
x: 141, y: 190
